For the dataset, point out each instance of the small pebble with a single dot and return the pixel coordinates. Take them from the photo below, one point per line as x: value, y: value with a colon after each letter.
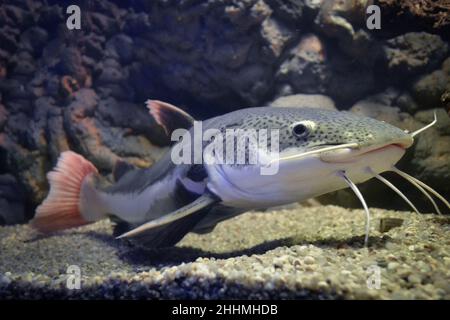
x: 309, y: 260
x: 392, y: 265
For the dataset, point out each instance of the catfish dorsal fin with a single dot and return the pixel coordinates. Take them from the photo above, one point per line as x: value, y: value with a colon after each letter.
x: 168, y: 116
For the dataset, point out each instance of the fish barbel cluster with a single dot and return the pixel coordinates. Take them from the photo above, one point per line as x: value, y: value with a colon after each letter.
x: 320, y: 151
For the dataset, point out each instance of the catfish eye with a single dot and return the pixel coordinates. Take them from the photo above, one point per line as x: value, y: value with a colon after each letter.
x: 303, y: 128
x: 300, y: 130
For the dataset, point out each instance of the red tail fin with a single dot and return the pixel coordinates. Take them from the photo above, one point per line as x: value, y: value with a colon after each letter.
x: 60, y: 210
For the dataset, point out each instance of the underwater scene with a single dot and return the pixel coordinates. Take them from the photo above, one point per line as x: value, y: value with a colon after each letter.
x: 225, y: 149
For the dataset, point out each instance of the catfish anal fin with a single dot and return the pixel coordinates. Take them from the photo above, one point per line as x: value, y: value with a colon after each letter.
x: 121, y: 227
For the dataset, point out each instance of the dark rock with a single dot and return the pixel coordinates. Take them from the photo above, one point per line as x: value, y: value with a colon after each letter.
x: 4, y: 55
x: 137, y: 23
x: 305, y: 68
x: 388, y: 97
x: 446, y: 65
x: 414, y: 52
x: 135, y: 117
x: 3, y: 116
x: 429, y: 162
x: 443, y: 124
x: 101, y: 24
x: 392, y: 97
x: 84, y: 104
x: 290, y: 11
x: 406, y: 103
x: 56, y: 137
x: 122, y: 48
x: 49, y: 16
x: 51, y: 54
x: 34, y: 40
x: 373, y: 109
x: 251, y: 83
x: 344, y: 21
x: 93, y: 46
x: 71, y: 64
x: 49, y: 117
x: 8, y: 38
x: 119, y: 91
x: 15, y: 91
x: 16, y: 16
x: 10, y: 188
x: 349, y: 83
x: 23, y: 64
x: 19, y: 126
x: 428, y: 89
x: 112, y: 134
x: 141, y: 78
x: 132, y: 148
x: 52, y: 85
x: 232, y: 56
x: 208, y: 58
x: 83, y: 132
x: 111, y: 74
x: 12, y: 199
x: 27, y: 166
x: 341, y: 18
x: 277, y: 36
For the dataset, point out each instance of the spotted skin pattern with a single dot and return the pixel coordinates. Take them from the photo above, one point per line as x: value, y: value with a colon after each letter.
x: 329, y: 127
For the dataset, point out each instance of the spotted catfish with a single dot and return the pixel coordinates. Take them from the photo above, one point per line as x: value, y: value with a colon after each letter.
x: 318, y: 151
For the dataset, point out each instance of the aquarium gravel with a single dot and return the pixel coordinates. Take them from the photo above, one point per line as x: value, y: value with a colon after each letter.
x: 294, y: 252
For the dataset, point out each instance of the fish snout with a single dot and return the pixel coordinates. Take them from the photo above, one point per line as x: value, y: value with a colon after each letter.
x: 379, y: 141
x: 385, y: 135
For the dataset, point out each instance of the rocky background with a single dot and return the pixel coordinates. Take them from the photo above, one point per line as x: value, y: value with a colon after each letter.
x: 85, y: 89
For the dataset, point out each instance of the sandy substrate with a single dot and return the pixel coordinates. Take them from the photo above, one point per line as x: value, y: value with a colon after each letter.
x: 302, y: 252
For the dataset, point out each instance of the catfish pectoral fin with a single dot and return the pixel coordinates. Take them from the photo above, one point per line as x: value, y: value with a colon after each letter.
x: 168, y: 235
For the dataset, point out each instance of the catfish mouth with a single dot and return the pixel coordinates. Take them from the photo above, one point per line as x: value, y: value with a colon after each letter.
x: 355, y: 154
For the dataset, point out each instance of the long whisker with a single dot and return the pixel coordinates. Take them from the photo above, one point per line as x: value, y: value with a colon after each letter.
x: 407, y: 177
x: 390, y: 185
x: 430, y: 189
x: 415, y: 133
x: 363, y: 202
x: 341, y: 146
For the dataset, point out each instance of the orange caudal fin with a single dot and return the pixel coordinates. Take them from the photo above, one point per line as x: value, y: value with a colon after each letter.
x: 60, y: 210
